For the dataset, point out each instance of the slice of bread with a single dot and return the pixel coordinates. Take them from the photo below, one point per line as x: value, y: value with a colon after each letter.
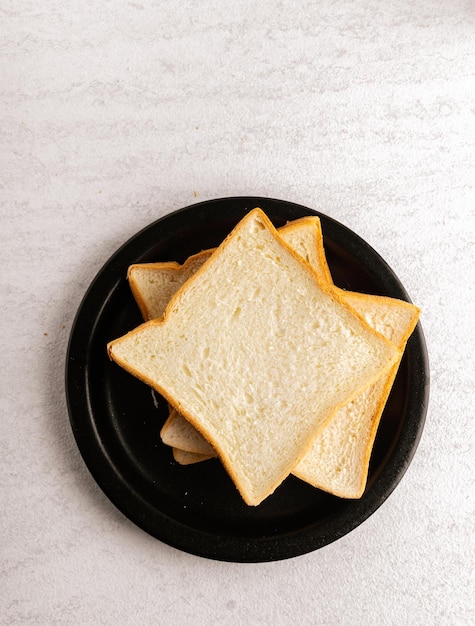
x: 339, y: 459
x: 257, y: 352
x: 188, y: 458
x: 177, y: 432
x: 154, y: 284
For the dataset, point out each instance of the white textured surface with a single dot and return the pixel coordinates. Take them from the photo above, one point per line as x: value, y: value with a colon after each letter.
x: 115, y: 113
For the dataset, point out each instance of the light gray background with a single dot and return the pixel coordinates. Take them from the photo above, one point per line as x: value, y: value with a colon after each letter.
x: 116, y: 113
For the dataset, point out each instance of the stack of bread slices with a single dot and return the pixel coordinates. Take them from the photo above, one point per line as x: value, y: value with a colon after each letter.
x: 263, y: 361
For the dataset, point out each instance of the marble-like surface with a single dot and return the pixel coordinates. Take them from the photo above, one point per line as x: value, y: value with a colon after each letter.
x: 115, y: 113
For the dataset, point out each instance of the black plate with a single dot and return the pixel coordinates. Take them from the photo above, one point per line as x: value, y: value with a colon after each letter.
x: 196, y: 508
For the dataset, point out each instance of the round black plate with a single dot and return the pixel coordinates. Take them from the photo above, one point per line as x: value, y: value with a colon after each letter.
x: 116, y: 419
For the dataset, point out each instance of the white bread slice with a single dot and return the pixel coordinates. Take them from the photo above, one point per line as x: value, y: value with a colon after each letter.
x: 257, y: 353
x: 188, y: 458
x: 154, y: 284
x: 338, y: 461
x: 177, y: 432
